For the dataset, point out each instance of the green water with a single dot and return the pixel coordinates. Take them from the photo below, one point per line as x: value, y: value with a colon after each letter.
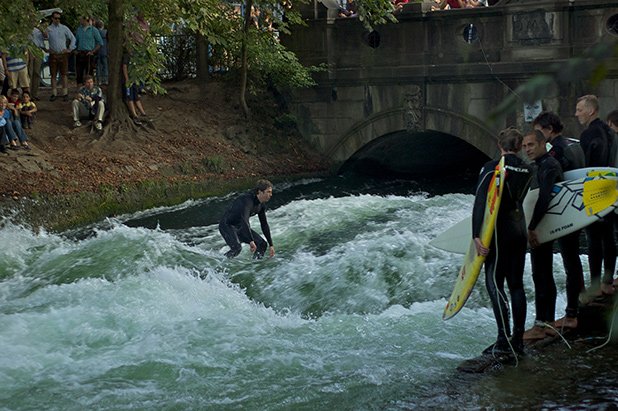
x: 144, y: 312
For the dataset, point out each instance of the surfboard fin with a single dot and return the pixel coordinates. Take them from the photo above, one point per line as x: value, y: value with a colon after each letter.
x: 599, y: 194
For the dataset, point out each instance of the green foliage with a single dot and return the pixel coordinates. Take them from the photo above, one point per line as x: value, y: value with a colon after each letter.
x: 286, y: 121
x: 270, y: 62
x: 215, y: 163
x: 17, y: 18
x: 592, y: 66
x: 375, y: 12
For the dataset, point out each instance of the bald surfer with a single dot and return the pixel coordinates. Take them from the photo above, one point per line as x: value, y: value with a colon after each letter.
x: 506, y: 254
x: 234, y: 225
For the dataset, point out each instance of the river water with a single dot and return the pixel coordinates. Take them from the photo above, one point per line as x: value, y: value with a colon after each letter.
x: 144, y: 312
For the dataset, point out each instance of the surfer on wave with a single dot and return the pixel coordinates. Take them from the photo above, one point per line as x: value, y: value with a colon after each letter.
x: 234, y: 225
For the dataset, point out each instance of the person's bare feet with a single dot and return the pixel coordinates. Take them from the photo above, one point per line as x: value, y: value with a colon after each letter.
x: 607, y: 289
x: 565, y: 322
x: 534, y: 333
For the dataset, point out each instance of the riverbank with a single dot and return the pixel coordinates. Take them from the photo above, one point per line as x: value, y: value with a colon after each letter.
x: 196, y: 144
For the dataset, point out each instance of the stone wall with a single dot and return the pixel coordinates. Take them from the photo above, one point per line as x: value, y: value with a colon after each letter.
x: 447, y: 71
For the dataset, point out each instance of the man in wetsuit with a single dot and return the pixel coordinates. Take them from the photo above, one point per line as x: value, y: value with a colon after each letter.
x: 234, y: 225
x: 550, y: 125
x: 548, y: 172
x: 507, y: 252
x: 596, y: 141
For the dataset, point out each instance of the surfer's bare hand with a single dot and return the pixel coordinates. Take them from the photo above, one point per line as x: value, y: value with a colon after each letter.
x: 480, y: 248
x: 533, y: 239
x: 252, y: 246
x: 271, y: 251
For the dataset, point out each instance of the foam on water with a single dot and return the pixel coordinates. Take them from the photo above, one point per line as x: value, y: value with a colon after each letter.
x: 346, y: 316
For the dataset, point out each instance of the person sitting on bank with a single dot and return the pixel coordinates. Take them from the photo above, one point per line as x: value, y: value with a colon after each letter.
x: 89, y: 103
x: 13, y: 128
x: 131, y: 92
x: 234, y: 225
x: 27, y: 111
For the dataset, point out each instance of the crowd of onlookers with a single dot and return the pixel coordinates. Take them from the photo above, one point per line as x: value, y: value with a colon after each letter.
x: 20, y: 76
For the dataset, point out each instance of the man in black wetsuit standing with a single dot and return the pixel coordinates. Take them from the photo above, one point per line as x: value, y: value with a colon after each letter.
x: 507, y: 252
x: 548, y: 173
x: 596, y: 141
x: 234, y: 225
x: 570, y: 157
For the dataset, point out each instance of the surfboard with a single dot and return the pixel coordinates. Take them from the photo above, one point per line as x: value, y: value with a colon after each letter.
x: 471, y: 267
x: 575, y: 204
x: 566, y: 211
x: 590, y: 172
x: 456, y: 238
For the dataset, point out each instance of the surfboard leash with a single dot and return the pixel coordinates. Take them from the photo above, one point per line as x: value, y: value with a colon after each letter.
x: 611, y: 328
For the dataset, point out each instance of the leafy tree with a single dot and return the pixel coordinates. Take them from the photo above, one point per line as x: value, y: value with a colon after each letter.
x: 249, y: 42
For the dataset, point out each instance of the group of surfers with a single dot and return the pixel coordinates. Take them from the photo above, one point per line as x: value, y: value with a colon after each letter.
x: 505, y: 256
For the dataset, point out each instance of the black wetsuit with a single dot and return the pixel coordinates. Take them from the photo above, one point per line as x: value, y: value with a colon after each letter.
x: 569, y: 244
x: 548, y: 172
x: 507, y: 253
x: 234, y: 225
x: 597, y: 141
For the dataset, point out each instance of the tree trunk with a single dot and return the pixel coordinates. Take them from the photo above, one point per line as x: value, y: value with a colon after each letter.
x: 201, y: 52
x: 118, y: 112
x: 243, y: 59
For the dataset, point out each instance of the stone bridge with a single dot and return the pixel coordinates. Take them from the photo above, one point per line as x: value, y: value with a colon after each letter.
x: 446, y: 72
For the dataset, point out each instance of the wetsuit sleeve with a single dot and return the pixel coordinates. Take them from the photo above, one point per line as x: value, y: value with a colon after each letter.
x: 264, y: 225
x: 478, y: 211
x: 547, y: 177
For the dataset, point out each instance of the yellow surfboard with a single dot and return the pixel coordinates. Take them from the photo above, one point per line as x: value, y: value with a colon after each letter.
x: 473, y: 263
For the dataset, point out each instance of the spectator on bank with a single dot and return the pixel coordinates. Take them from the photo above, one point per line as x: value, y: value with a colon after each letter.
x: 27, y: 111
x: 13, y: 128
x: 35, y: 60
x: 17, y: 70
x: 61, y: 44
x: 102, y: 62
x: 131, y: 92
x: 14, y: 102
x: 89, y: 103
x: 87, y: 43
x: 4, y: 140
x: 4, y: 77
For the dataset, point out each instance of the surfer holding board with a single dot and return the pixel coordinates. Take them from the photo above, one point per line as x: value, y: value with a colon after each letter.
x: 551, y: 126
x: 505, y: 251
x: 548, y: 173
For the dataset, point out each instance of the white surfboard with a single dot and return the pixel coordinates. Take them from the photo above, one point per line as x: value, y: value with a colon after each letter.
x: 456, y: 238
x: 566, y: 214
x: 590, y: 172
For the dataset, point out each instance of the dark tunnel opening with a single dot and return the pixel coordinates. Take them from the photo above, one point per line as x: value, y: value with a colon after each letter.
x: 419, y: 155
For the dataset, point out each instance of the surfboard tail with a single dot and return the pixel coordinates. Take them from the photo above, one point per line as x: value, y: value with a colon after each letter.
x: 599, y: 194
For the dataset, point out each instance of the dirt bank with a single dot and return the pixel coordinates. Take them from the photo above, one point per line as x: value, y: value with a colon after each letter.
x: 198, y: 143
